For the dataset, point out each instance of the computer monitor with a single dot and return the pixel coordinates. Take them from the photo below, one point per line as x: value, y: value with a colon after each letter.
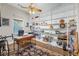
x: 20, y: 32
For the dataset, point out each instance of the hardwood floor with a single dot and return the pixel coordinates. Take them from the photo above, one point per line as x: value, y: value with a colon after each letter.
x: 51, y: 49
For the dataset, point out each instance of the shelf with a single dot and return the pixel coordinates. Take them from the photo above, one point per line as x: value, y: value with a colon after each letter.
x: 52, y: 35
x: 52, y: 43
x: 59, y: 24
x: 56, y: 29
x: 51, y: 24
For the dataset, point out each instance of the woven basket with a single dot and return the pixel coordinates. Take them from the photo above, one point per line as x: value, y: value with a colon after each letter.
x: 62, y: 21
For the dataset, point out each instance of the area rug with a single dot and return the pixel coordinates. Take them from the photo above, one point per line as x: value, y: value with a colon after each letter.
x: 32, y: 50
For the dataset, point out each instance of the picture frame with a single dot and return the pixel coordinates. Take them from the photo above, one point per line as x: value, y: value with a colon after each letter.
x: 27, y: 24
x: 33, y: 23
x: 5, y: 21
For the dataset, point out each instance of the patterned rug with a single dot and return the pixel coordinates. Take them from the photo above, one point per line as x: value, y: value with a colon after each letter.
x: 32, y: 50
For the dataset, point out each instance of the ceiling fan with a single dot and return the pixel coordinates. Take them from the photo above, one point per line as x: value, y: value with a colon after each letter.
x: 31, y: 8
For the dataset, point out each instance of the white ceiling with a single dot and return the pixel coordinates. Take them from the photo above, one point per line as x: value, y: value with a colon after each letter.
x: 45, y: 7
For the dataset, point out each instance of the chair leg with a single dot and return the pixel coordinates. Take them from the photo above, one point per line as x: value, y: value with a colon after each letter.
x: 8, y: 48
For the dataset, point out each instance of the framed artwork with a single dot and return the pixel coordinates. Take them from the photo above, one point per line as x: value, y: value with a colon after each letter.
x: 27, y: 24
x: 5, y: 22
x: 33, y: 23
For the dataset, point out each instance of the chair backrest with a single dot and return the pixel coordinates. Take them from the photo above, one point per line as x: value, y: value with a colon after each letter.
x: 4, y: 42
x: 2, y: 45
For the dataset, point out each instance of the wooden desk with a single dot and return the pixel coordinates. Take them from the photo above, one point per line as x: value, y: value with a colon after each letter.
x: 21, y: 41
x: 24, y: 38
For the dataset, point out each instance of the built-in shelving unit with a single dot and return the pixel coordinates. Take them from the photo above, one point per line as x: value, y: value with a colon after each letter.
x: 43, y: 28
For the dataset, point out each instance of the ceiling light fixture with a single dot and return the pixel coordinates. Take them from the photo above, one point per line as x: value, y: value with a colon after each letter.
x: 32, y: 11
x: 31, y: 8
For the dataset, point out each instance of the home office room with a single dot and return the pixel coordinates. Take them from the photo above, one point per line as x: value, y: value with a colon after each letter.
x: 39, y: 29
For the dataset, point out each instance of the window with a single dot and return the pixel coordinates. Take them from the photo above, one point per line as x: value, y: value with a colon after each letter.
x: 17, y: 26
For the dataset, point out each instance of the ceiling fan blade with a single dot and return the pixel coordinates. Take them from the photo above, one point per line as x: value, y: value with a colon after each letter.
x: 31, y: 7
x: 22, y: 6
x: 39, y: 10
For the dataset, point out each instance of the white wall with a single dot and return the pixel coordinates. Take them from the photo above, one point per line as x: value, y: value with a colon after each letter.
x: 11, y: 13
